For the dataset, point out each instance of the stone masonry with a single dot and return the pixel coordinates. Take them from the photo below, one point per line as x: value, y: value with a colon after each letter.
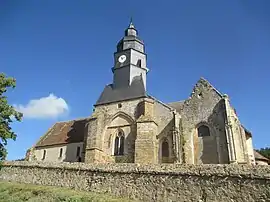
x: 129, y: 125
x: 160, y: 182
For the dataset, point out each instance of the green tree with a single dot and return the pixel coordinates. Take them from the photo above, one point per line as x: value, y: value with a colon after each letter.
x: 265, y: 152
x: 7, y: 114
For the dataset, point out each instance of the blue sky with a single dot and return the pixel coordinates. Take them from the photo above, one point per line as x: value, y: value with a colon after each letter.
x: 61, y: 53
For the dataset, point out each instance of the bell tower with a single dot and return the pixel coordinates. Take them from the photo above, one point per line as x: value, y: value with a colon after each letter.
x: 129, y: 70
x: 129, y: 60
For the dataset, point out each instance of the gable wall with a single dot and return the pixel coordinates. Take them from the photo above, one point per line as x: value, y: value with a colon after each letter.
x: 204, y: 106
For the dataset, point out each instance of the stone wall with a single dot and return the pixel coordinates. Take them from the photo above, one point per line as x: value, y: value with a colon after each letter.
x: 69, y: 152
x: 238, y: 137
x: 139, y: 118
x: 205, y: 106
x: 165, y: 182
x: 108, y: 119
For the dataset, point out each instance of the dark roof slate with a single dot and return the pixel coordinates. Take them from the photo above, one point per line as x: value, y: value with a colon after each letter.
x: 110, y: 94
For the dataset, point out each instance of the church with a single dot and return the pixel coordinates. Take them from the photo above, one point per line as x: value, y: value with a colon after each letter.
x: 129, y: 125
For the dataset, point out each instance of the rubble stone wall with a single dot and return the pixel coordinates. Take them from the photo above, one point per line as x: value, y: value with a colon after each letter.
x: 160, y: 182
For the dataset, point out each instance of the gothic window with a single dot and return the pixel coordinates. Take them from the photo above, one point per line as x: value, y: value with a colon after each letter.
x: 44, y: 155
x: 203, y: 131
x: 165, y: 148
x: 60, y: 152
x: 119, y: 144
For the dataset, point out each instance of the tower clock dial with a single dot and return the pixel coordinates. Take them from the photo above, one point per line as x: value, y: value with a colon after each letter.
x: 122, y: 58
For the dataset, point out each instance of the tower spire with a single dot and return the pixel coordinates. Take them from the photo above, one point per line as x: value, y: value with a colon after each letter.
x: 131, y: 25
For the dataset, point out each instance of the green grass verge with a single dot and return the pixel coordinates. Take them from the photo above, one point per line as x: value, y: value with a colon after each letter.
x: 14, y: 192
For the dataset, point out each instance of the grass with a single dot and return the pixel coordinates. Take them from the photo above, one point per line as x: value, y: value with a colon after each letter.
x: 14, y: 192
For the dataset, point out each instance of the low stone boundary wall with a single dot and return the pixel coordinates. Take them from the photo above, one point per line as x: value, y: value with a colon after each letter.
x: 165, y: 182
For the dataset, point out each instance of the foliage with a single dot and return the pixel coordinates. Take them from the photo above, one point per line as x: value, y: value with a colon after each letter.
x: 25, y: 192
x: 7, y: 114
x: 265, y: 152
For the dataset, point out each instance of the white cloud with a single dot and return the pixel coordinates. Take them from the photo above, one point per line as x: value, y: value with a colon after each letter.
x: 45, y: 107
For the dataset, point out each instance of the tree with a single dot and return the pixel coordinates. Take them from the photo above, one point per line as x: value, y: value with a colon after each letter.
x: 8, y: 114
x: 265, y: 152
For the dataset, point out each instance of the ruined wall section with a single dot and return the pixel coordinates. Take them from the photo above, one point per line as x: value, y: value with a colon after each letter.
x: 205, y: 106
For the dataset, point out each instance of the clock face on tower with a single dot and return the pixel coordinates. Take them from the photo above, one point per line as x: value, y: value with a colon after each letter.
x: 122, y: 58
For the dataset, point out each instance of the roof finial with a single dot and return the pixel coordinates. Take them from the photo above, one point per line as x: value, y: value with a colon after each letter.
x: 131, y: 23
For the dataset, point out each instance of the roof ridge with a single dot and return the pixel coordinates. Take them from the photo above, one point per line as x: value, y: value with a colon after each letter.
x: 67, y: 121
x: 176, y: 101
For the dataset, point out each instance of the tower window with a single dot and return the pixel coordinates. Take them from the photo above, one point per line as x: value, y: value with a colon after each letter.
x: 60, y: 152
x: 203, y: 131
x: 119, y: 105
x: 119, y: 144
x: 139, y: 63
x: 44, y: 155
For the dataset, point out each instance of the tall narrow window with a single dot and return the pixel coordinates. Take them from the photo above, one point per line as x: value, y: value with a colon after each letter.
x: 165, y: 149
x: 119, y: 144
x: 121, y: 147
x: 60, y: 152
x: 139, y: 63
x: 116, y: 145
x: 203, y: 131
x: 78, y: 151
x: 44, y: 155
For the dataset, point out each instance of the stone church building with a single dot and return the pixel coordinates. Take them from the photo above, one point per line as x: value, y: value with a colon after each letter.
x: 129, y: 125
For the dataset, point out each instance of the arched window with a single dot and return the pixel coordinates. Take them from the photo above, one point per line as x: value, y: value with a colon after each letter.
x: 119, y: 144
x: 165, y: 148
x: 203, y: 131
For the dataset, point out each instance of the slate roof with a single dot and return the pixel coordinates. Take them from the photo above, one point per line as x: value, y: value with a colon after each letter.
x: 177, y: 105
x: 110, y: 94
x: 258, y: 156
x: 64, y: 133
